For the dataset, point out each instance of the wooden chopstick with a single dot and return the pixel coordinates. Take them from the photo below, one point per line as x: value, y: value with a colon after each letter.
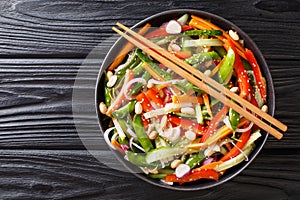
x: 207, y: 79
x: 200, y: 83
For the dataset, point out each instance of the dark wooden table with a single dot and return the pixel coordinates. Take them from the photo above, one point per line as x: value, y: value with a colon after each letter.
x: 43, y: 50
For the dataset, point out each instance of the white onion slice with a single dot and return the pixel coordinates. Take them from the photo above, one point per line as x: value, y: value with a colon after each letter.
x: 132, y: 143
x: 135, y: 80
x: 131, y: 132
x: 156, y: 82
x: 241, y: 130
x: 226, y: 122
x: 122, y: 66
x: 240, y: 150
x: 106, y: 137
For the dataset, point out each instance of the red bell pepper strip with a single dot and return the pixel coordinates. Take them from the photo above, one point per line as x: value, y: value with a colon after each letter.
x: 144, y: 102
x: 145, y: 121
x: 257, y: 74
x: 182, y: 54
x: 242, y: 77
x: 187, y: 124
x: 157, y: 33
x: 214, y: 123
x: 186, y: 28
x: 239, y: 145
x: 193, y: 176
x: 154, y: 96
x: 121, y: 97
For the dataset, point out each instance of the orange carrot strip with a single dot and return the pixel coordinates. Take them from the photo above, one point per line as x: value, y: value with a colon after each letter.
x: 213, y: 26
x: 126, y: 48
x: 210, y: 165
x: 187, y: 99
x: 207, y: 104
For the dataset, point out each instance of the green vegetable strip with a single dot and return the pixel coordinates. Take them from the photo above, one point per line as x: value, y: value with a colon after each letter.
x: 139, y: 159
x: 234, y: 118
x: 226, y: 68
x: 202, y: 57
x: 164, y: 153
x: 124, y: 111
x: 154, y: 66
x: 195, y: 159
x: 139, y: 86
x: 203, y: 32
x: 134, y: 61
x: 141, y: 133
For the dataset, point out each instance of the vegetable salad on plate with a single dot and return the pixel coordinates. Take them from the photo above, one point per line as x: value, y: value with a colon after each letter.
x: 170, y: 128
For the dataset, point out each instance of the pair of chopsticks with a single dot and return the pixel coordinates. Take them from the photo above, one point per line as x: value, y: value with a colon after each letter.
x: 204, y: 82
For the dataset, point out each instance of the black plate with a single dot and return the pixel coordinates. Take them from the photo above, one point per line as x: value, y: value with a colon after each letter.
x: 157, y: 20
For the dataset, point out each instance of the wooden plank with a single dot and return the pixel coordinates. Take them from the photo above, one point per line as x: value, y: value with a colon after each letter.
x: 36, y: 174
x: 72, y: 29
x: 36, y: 103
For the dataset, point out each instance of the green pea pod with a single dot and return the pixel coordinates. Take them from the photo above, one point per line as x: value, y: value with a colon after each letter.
x: 139, y: 159
x: 141, y: 133
x: 154, y: 66
x: 165, y: 40
x: 124, y: 111
x: 234, y: 118
x: 195, y: 159
x: 203, y: 32
x: 161, y: 142
x: 130, y: 64
x: 108, y: 96
x: 226, y: 68
x: 162, y: 173
x: 220, y: 50
x: 202, y: 57
x: 139, y: 86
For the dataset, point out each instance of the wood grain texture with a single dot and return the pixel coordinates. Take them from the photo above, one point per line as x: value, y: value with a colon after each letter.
x: 64, y: 28
x: 46, y: 125
x: 77, y: 175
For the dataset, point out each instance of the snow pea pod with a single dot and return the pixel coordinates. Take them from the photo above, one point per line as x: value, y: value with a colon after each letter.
x: 226, y: 68
x: 202, y: 57
x: 234, y: 118
x: 195, y: 159
x: 141, y: 133
x: 124, y: 111
x: 154, y: 66
x: 203, y: 32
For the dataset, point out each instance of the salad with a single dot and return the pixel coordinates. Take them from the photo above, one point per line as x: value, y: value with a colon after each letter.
x: 170, y: 128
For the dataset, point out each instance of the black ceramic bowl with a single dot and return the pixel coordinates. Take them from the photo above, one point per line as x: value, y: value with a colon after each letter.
x: 157, y: 20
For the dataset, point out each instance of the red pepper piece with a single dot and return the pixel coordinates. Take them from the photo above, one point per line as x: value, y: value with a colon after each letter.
x: 182, y: 54
x: 193, y: 176
x: 145, y: 121
x: 187, y: 124
x: 239, y: 145
x: 154, y: 96
x: 186, y: 28
x: 214, y: 123
x: 242, y: 77
x: 144, y: 101
x: 157, y: 33
x: 257, y: 74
